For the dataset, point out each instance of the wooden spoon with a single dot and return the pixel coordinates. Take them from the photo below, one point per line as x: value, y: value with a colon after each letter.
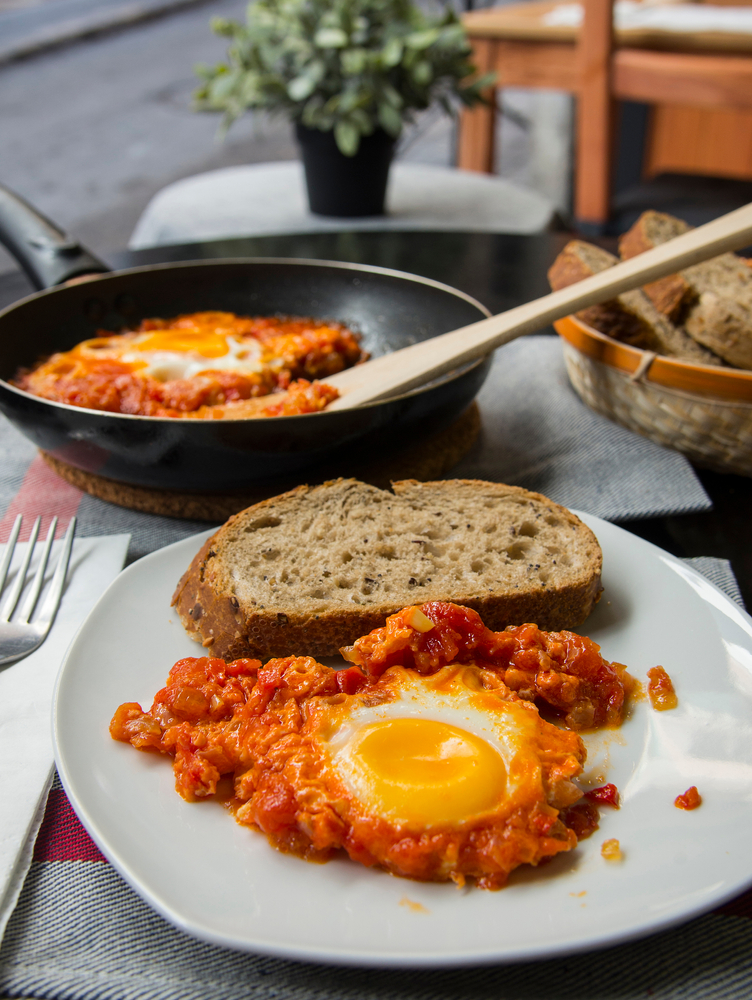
x: 412, y: 366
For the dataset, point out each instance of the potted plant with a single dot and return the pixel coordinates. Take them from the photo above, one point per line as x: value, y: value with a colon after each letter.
x: 348, y: 74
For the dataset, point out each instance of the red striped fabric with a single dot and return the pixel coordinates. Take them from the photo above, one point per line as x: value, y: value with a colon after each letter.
x: 42, y: 494
x: 61, y: 836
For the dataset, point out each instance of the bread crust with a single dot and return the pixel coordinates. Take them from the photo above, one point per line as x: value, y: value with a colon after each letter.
x: 230, y: 630
x: 670, y: 295
x: 712, y: 299
x: 610, y: 317
x: 724, y: 326
x: 631, y: 317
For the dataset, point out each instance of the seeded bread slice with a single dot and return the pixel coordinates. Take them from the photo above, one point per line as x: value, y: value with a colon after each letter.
x: 314, y: 569
x: 631, y: 317
x: 670, y: 295
x: 712, y: 300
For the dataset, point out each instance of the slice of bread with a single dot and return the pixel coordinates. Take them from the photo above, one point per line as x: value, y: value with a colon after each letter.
x: 314, y: 569
x: 712, y: 300
x: 631, y: 317
x: 669, y: 295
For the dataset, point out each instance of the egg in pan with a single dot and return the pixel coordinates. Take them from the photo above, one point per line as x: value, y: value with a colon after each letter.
x: 441, y: 776
x: 207, y: 365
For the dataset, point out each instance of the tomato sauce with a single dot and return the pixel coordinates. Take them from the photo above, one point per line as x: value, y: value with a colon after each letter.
x: 560, y: 669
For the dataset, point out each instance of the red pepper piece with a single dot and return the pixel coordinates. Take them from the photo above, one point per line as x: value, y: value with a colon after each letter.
x: 691, y: 799
x: 605, y: 795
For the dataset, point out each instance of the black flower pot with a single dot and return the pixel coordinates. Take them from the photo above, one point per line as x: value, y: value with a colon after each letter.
x: 345, y: 186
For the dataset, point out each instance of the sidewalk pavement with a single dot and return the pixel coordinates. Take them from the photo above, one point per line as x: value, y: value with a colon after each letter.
x: 27, y: 30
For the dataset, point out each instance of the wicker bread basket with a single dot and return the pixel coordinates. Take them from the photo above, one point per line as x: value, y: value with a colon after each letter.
x: 702, y: 411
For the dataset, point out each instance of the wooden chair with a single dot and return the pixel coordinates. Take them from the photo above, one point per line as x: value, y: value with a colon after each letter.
x: 600, y: 67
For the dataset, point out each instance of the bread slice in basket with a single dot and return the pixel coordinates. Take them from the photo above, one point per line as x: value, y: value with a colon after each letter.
x: 313, y: 569
x: 713, y: 299
x: 630, y: 317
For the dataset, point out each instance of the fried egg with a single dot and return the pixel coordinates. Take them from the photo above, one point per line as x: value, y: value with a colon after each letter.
x: 439, y: 777
x: 177, y: 353
x: 441, y: 752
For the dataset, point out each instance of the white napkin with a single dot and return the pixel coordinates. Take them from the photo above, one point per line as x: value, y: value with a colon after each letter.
x: 685, y: 17
x: 26, y: 687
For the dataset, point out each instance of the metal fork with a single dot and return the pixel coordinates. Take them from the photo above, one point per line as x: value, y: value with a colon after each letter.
x: 20, y: 637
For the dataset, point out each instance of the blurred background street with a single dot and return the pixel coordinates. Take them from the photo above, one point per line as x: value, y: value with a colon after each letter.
x: 95, y: 118
x: 94, y: 122
x: 93, y: 128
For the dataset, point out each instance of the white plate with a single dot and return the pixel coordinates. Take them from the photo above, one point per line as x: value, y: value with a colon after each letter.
x: 223, y: 883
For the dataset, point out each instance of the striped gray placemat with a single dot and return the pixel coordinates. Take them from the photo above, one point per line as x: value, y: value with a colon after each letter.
x: 79, y: 933
x: 537, y: 433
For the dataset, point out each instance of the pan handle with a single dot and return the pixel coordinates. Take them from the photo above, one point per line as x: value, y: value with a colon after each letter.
x: 47, y: 254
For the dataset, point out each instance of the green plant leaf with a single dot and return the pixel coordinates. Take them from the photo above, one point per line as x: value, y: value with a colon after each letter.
x: 454, y: 35
x: 251, y: 89
x: 347, y: 138
x: 390, y: 119
x: 223, y: 85
x: 392, y: 52
x: 330, y: 38
x: 348, y: 100
x: 313, y: 115
x: 353, y: 61
x: 301, y: 88
x: 422, y: 72
x: 316, y: 69
x: 392, y: 96
x: 362, y: 121
x: 422, y: 39
x: 221, y: 26
x: 332, y: 106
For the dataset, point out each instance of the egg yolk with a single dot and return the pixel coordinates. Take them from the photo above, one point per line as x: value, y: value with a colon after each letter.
x: 207, y: 343
x: 427, y: 773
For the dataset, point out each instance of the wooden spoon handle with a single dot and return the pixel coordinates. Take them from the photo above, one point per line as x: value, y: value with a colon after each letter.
x: 412, y: 366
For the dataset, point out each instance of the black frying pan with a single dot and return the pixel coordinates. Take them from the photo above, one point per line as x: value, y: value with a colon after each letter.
x: 389, y: 308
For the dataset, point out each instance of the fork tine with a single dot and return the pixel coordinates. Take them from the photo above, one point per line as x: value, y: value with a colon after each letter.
x: 28, y: 608
x: 52, y: 600
x: 9, y: 548
x: 18, y: 586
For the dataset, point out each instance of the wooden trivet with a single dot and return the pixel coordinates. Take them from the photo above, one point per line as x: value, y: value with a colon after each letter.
x: 428, y: 458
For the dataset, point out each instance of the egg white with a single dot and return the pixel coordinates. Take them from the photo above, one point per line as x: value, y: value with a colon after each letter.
x: 242, y: 356
x: 415, y: 699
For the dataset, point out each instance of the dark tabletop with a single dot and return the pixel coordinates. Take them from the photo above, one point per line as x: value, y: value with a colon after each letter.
x: 501, y: 271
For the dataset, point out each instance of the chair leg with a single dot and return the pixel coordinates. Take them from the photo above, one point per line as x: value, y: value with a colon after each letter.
x: 595, y: 118
x: 477, y: 126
